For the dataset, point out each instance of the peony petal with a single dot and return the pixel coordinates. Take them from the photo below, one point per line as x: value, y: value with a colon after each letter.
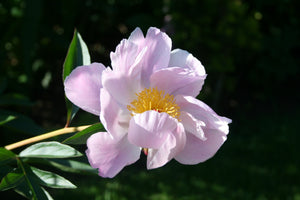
x: 121, y: 87
x: 82, y: 87
x: 184, y: 59
x: 159, y: 48
x: 150, y: 129
x: 109, y: 155
x: 192, y: 125
x: 173, y: 144
x: 157, y: 56
x: 114, y: 119
x: 203, y: 112
x: 197, y: 150
x: 139, y: 56
x: 137, y: 36
x: 127, y: 58
x: 124, y: 56
x: 177, y: 80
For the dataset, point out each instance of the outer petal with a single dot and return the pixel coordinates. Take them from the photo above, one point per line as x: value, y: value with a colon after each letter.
x: 197, y: 150
x: 192, y: 125
x: 203, y: 112
x: 109, y: 155
x: 150, y: 129
x: 82, y: 87
x: 114, y: 119
x: 215, y: 131
x: 179, y: 81
x: 182, y: 58
x: 173, y: 144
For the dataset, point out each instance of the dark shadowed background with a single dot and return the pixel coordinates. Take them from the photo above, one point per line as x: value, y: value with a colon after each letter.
x: 250, y: 50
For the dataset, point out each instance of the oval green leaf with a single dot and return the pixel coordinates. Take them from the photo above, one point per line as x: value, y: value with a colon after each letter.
x: 6, y: 156
x: 51, y: 179
x: 11, y: 180
x: 50, y: 150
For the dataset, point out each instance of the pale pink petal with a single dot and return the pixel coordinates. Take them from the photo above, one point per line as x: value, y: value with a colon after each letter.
x: 127, y: 58
x: 192, y: 125
x: 158, y: 48
x: 150, y: 129
x: 121, y: 87
x: 173, y: 145
x: 203, y: 112
x: 137, y: 36
x: 109, y: 155
x: 197, y: 150
x: 82, y: 87
x: 184, y: 59
x: 139, y: 56
x: 124, y: 56
x: 177, y: 80
x: 113, y: 117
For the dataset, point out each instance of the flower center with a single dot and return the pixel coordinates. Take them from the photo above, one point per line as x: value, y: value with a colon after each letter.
x: 153, y: 99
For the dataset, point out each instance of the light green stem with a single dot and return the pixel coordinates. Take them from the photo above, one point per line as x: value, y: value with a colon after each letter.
x: 45, y: 136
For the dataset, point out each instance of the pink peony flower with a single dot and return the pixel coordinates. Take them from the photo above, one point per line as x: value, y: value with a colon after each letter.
x: 147, y: 102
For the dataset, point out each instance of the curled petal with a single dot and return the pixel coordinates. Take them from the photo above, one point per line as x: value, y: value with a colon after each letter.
x: 192, y: 125
x: 203, y: 112
x: 197, y: 150
x: 173, y: 144
x: 114, y: 119
x: 184, y: 59
x: 178, y: 81
x: 82, y: 87
x: 109, y: 155
x: 150, y: 129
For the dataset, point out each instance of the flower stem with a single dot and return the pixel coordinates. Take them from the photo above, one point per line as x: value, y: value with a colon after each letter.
x: 45, y: 136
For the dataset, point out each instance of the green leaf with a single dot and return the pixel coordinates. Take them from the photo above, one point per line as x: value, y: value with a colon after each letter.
x: 39, y: 192
x: 49, y: 197
x: 6, y: 118
x: 51, y: 179
x: 77, y: 55
x: 11, y: 180
x: 82, y: 136
x: 72, y: 166
x: 4, y: 170
x: 6, y: 156
x: 30, y: 188
x: 50, y: 150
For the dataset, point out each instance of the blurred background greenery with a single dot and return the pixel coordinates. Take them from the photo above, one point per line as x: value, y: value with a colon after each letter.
x: 250, y: 50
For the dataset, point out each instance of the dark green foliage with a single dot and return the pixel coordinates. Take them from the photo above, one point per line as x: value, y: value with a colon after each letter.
x: 250, y: 52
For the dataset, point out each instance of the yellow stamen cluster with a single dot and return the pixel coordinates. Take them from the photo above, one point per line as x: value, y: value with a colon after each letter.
x: 153, y: 99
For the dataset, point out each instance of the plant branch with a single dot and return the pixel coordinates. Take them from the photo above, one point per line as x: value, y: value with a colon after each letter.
x: 45, y: 136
